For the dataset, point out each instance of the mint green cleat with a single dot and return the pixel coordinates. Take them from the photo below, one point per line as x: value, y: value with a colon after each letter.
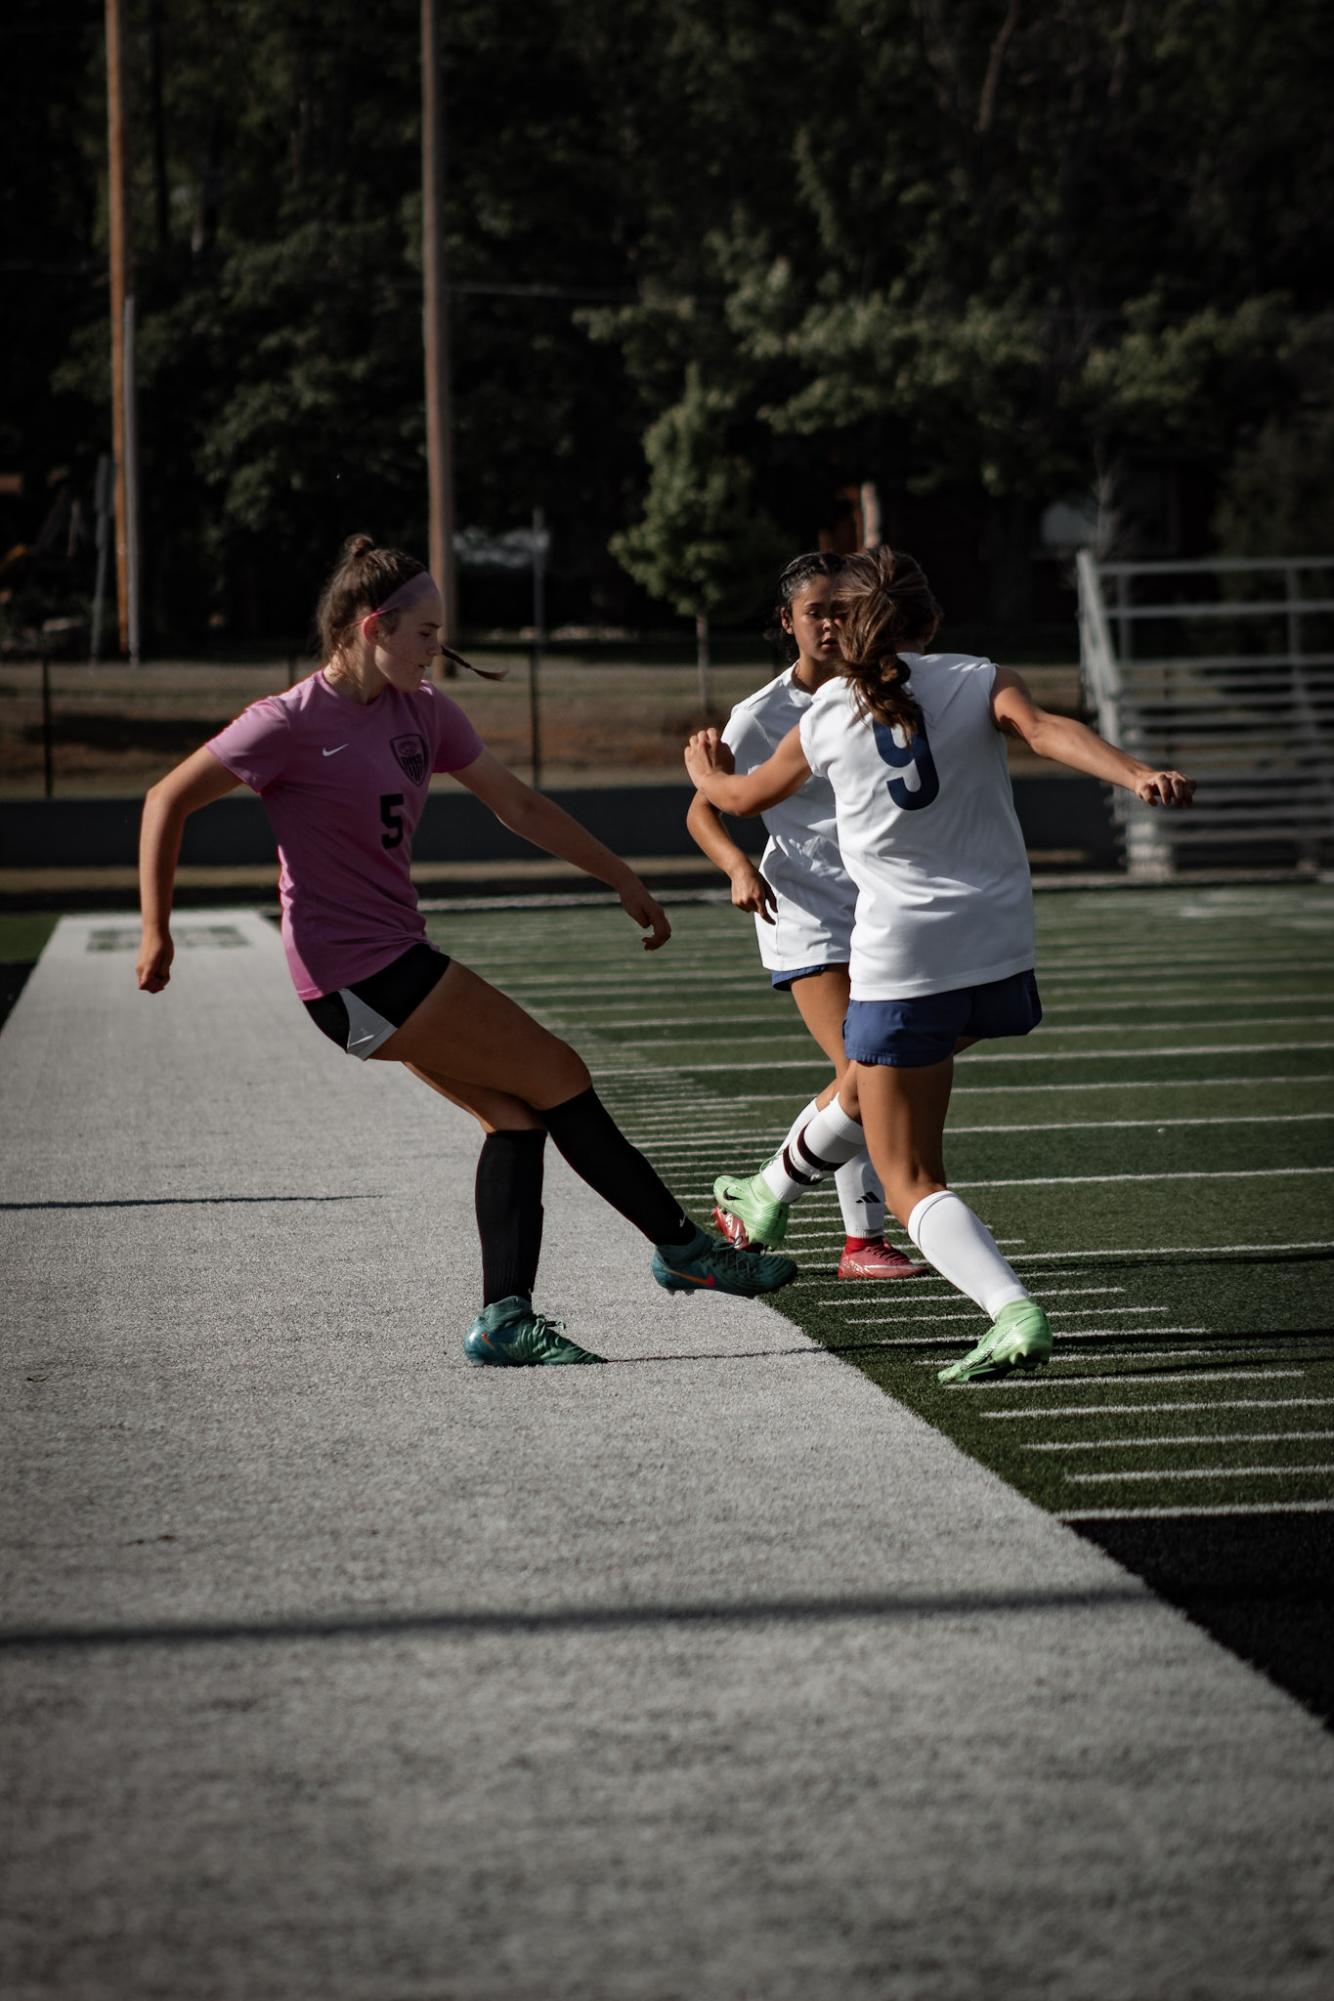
x: 750, y: 1201
x: 509, y: 1334
x: 706, y: 1265
x: 1019, y: 1338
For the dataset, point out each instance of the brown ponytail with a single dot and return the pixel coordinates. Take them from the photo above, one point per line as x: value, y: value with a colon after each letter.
x: 365, y: 577
x: 883, y: 603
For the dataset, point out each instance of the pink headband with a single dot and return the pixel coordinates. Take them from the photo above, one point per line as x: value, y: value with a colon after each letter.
x: 412, y: 592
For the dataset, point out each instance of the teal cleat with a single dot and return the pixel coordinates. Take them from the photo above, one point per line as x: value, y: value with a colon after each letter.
x: 1019, y: 1338
x: 706, y: 1265
x: 509, y: 1334
x: 750, y: 1201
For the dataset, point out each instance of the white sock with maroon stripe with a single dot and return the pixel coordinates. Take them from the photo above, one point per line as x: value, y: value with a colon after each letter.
x: 963, y: 1250
x: 814, y: 1149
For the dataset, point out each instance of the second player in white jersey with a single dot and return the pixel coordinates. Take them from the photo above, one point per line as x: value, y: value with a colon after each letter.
x: 802, y: 897
x: 928, y: 832
x: 942, y: 950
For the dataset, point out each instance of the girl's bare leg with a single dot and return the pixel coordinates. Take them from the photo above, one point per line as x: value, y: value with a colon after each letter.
x: 903, y: 1115
x: 822, y: 1002
x: 471, y: 1034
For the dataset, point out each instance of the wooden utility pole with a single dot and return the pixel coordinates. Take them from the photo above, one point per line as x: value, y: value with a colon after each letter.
x: 122, y: 291
x: 439, y: 456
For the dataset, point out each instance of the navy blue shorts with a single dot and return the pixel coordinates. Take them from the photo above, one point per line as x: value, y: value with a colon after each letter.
x: 361, y: 1017
x: 909, y: 1034
x: 782, y: 981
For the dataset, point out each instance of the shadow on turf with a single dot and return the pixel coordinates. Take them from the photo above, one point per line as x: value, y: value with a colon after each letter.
x: 184, y: 1201
x: 574, y: 1618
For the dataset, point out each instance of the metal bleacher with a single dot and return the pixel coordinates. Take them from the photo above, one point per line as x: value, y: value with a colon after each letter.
x: 1225, y: 670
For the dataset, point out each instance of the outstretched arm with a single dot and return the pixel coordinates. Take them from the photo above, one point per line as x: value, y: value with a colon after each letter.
x: 167, y: 806
x: 547, y: 825
x: 1066, y: 741
x: 777, y: 778
x: 704, y: 823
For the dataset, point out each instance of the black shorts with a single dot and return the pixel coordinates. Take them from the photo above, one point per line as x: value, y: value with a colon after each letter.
x: 361, y: 1017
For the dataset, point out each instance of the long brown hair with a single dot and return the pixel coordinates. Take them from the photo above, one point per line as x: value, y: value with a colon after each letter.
x: 883, y: 603
x: 364, y: 577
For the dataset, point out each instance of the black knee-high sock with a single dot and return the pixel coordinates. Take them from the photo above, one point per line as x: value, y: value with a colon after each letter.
x: 601, y: 1155
x: 509, y: 1212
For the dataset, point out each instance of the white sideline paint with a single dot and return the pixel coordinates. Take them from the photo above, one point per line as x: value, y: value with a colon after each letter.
x: 1197, y: 1376
x: 1062, y: 1313
x: 1172, y: 1251
x: 979, y: 1055
x: 1175, y: 1438
x: 685, y: 1102
x: 735, y: 1018
x: 1137, y: 1409
x: 1198, y: 1473
x: 1201, y: 1511
x: 921, y: 1289
x: 746, y: 1692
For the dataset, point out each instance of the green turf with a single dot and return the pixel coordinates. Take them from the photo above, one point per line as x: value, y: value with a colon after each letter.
x: 23, y: 935
x: 1185, y: 1080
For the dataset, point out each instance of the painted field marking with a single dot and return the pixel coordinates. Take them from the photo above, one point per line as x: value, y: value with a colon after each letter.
x: 1178, y: 1438
x: 1008, y: 1056
x: 687, y: 1101
x: 1197, y: 1473
x: 1136, y: 1409
x: 1063, y: 1312
x: 1125, y: 1355
x: 1171, y: 1251
x: 705, y: 1139
x: 1084, y: 1180
x: 785, y: 1031
x: 1199, y: 1512
x: 919, y: 1291
x: 1200, y: 1376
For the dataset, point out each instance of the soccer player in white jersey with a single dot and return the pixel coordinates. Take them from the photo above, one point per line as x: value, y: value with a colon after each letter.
x: 943, y: 945
x: 803, y: 901
x: 343, y: 763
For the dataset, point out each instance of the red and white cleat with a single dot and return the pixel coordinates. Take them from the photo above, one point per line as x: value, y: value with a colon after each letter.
x: 879, y: 1260
x: 731, y: 1229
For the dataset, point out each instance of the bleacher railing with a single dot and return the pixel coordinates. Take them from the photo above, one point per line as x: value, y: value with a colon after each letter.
x: 1225, y: 670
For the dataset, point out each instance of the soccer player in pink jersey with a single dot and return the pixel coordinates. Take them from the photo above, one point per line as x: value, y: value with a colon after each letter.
x: 343, y: 763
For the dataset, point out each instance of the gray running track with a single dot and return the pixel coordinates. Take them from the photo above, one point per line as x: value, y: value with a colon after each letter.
x: 710, y: 1674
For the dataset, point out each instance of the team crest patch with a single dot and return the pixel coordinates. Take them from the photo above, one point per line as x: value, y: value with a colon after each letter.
x: 411, y: 754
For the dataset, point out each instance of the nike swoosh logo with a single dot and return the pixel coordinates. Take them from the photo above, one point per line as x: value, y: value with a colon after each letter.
x: 357, y: 1041
x: 334, y: 752
x: 690, y: 1276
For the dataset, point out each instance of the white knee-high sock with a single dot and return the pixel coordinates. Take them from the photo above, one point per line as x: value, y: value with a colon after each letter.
x: 823, y: 1143
x: 861, y: 1198
x: 963, y: 1250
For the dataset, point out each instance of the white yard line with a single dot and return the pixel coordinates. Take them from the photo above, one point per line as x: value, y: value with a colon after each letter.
x: 1201, y: 1510
x: 1101, y: 1180
x: 1063, y: 1312
x: 1154, y: 1354
x: 664, y: 1100
x: 1196, y: 1473
x: 1178, y: 1438
x: 1200, y: 1376
x: 920, y: 1291
x: 738, y: 1018
x: 1170, y: 1251
x: 1137, y: 1409
x: 813, y: 1061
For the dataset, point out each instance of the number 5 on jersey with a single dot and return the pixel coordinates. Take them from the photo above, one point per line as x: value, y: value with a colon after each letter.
x: 909, y: 798
x: 391, y: 816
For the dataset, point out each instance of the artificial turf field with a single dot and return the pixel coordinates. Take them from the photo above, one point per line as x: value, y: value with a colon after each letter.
x: 1156, y: 1161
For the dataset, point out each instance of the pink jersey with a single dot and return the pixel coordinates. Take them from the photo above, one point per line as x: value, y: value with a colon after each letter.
x: 344, y: 784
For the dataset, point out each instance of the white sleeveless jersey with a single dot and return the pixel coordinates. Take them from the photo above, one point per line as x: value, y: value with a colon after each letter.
x: 816, y: 897
x: 928, y: 832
